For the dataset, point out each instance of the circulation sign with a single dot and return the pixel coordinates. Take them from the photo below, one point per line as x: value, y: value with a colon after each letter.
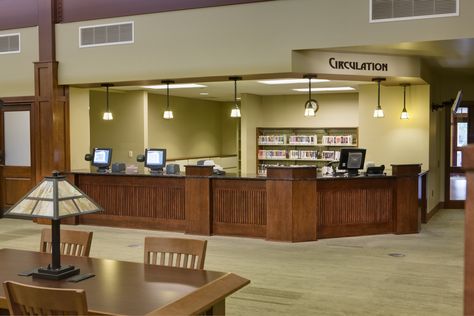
x: 357, y: 65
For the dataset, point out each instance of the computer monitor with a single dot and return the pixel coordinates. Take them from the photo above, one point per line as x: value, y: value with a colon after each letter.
x: 352, y: 159
x: 101, y: 158
x: 155, y: 159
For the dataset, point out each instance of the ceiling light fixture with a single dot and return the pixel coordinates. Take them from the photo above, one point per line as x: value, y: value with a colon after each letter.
x: 325, y: 89
x: 378, y: 112
x: 404, y: 115
x: 235, y: 112
x: 107, y: 116
x: 311, y: 106
x: 289, y: 81
x: 167, y: 114
x: 176, y: 86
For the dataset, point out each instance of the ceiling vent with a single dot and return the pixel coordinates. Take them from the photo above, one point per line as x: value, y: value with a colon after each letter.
x: 10, y: 43
x: 396, y: 10
x: 106, y: 34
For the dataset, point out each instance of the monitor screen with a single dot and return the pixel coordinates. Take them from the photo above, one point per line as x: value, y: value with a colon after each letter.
x: 155, y: 158
x: 101, y: 157
x: 352, y: 159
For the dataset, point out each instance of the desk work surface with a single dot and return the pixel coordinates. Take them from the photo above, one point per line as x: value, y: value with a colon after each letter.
x: 120, y: 287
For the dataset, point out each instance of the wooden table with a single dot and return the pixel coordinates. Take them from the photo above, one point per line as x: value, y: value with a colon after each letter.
x: 128, y: 288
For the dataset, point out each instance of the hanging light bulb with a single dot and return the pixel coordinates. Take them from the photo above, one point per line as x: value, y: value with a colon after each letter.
x: 235, y: 112
x: 378, y: 112
x: 107, y: 114
x: 404, y: 115
x: 311, y: 106
x: 167, y: 114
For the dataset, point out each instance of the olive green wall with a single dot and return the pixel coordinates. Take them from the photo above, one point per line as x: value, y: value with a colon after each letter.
x: 199, y: 128
x: 125, y: 132
x: 17, y: 68
x: 79, y: 127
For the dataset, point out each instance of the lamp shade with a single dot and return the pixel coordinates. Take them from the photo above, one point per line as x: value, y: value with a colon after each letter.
x: 41, y: 200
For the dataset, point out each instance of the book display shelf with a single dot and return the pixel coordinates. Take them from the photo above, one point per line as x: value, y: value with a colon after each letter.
x: 302, y: 146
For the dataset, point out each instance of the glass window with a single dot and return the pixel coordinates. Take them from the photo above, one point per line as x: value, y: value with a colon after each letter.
x: 462, y: 134
x: 458, y: 158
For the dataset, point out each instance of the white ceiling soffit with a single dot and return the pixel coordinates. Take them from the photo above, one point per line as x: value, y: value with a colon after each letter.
x: 396, y: 10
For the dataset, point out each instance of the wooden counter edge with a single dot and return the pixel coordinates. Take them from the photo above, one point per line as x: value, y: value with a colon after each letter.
x: 204, y: 298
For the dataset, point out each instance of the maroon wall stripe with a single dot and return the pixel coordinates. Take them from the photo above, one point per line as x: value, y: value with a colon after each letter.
x: 75, y: 10
x: 16, y: 14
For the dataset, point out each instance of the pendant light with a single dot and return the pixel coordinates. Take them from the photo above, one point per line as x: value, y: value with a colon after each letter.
x: 311, y: 106
x: 107, y: 114
x: 235, y: 112
x: 404, y: 115
x: 167, y: 114
x: 378, y: 112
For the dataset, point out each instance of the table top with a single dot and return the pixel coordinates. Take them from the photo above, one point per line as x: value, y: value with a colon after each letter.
x: 120, y: 287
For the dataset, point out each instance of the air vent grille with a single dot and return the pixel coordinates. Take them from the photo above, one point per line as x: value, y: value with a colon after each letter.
x: 392, y: 10
x: 106, y: 34
x: 9, y: 43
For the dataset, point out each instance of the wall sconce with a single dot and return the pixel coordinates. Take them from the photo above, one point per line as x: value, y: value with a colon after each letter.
x: 378, y: 112
x: 167, y: 114
x: 404, y: 115
x: 311, y: 106
x: 107, y: 114
x: 235, y: 112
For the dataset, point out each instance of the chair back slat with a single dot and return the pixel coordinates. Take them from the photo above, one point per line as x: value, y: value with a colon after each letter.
x: 73, y: 242
x: 25, y: 299
x: 175, y: 252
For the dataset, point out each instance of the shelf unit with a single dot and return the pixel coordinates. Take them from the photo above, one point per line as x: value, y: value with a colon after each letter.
x: 302, y: 146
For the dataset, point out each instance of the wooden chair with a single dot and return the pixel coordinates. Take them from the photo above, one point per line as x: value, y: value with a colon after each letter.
x: 25, y: 299
x: 73, y: 242
x: 175, y: 252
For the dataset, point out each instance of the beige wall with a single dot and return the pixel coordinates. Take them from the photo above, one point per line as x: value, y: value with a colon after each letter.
x: 335, y: 110
x: 197, y: 129
x: 79, y: 127
x: 17, y: 69
x: 391, y: 140
x: 125, y: 132
x: 214, y: 41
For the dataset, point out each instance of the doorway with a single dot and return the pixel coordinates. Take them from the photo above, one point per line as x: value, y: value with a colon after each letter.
x: 17, y: 172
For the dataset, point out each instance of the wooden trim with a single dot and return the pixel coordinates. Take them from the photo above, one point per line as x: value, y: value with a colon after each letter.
x: 468, y: 164
x: 435, y: 210
x: 205, y: 298
x: 8, y: 101
x: 46, y: 30
x: 75, y: 11
x: 201, y: 157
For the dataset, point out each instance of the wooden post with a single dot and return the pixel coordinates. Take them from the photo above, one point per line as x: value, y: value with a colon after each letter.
x: 197, y: 200
x: 291, y: 203
x: 468, y: 166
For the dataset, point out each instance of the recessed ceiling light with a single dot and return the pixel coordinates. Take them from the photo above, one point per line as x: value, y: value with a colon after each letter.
x: 176, y: 86
x: 204, y: 93
x: 291, y: 81
x: 325, y: 89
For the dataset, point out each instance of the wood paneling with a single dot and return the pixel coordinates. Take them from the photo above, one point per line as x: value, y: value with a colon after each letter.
x: 15, y: 189
x: 198, y: 205
x: 135, y: 200
x: 239, y: 207
x: 74, y: 11
x: 351, y: 207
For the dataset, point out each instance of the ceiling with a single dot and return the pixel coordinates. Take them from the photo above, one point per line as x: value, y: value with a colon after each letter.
x: 455, y: 55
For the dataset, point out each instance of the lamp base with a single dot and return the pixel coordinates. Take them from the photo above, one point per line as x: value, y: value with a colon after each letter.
x: 56, y: 274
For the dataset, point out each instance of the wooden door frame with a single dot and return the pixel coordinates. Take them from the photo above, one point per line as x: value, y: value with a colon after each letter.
x: 20, y: 103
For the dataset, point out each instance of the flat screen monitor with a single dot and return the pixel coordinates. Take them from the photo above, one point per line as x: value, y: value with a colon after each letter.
x: 352, y: 159
x: 457, y: 102
x: 101, y: 158
x: 155, y: 159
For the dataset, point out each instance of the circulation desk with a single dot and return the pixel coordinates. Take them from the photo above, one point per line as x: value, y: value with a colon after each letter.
x: 290, y: 204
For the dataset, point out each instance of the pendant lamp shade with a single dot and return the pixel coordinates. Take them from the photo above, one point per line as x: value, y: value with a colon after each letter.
x: 167, y: 114
x: 235, y: 112
x: 378, y: 112
x: 404, y: 115
x: 311, y: 106
x: 107, y: 116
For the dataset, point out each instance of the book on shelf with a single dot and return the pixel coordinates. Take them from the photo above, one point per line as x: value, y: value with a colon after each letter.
x: 343, y: 140
x: 272, y: 139
x: 303, y: 140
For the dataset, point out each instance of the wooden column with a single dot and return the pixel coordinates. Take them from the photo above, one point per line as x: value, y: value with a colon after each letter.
x: 51, y: 100
x: 468, y: 165
x: 291, y: 203
x: 197, y: 200
x: 407, y: 215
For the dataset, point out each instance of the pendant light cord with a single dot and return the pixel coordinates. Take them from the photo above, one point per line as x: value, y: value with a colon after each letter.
x: 107, y: 97
x: 167, y: 96
x: 404, y: 98
x: 309, y: 88
x: 378, y: 97
x: 235, y: 93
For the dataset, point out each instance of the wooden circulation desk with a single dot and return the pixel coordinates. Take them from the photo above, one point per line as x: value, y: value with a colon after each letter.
x: 290, y: 204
